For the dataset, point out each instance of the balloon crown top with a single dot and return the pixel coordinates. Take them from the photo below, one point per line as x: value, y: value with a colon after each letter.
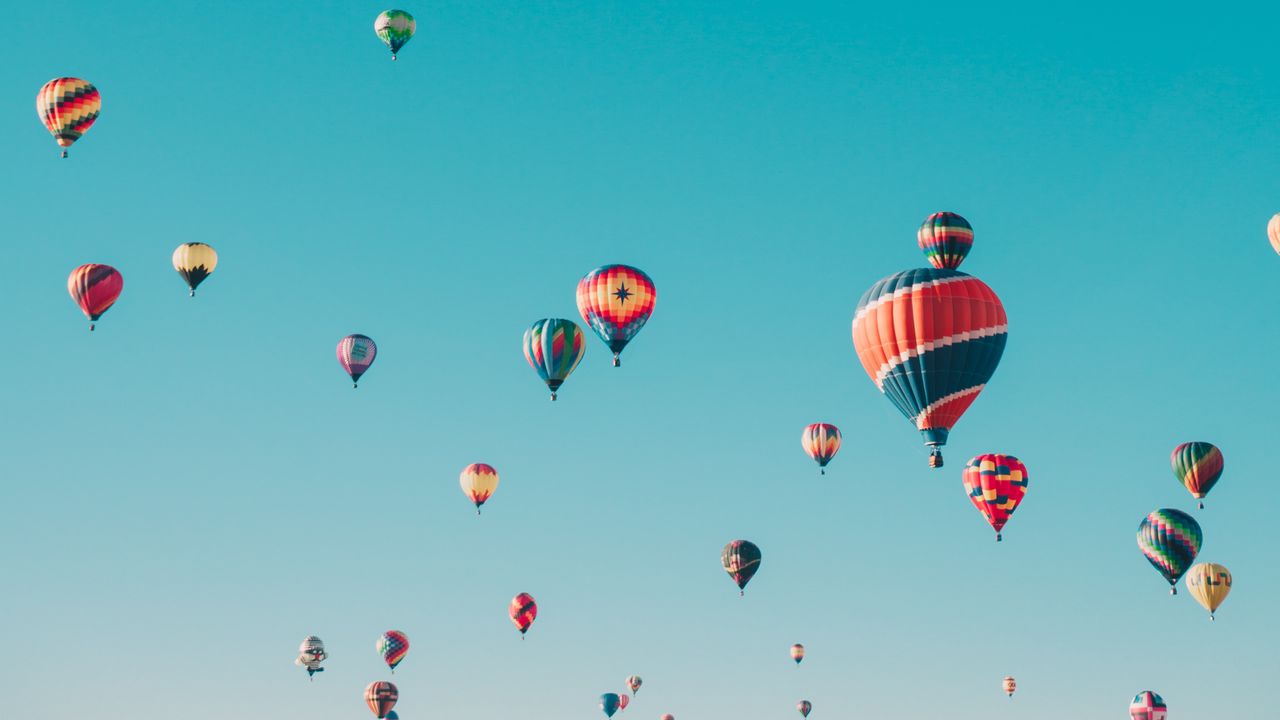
x: 946, y: 239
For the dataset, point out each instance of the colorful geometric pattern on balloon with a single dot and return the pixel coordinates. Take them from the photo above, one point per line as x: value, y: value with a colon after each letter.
x: 930, y: 339
x: 68, y: 107
x: 741, y: 560
x: 523, y: 611
x: 995, y: 485
x: 95, y: 288
x: 356, y: 353
x: 797, y: 652
x: 393, y: 646
x: 633, y: 684
x: 945, y: 238
x: 1198, y: 466
x: 1170, y: 540
x: 1147, y: 705
x: 821, y: 441
x: 381, y: 696
x: 395, y: 28
x: 616, y: 301
x: 554, y: 347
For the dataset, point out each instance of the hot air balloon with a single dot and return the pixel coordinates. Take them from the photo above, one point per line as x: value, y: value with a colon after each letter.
x: 667, y: 716
x: 1197, y: 465
x: 478, y: 482
x: 945, y: 238
x: 1010, y: 685
x: 930, y: 339
x: 356, y: 353
x: 1147, y: 705
x: 310, y: 654
x: 616, y: 301
x: 797, y: 653
x: 610, y: 703
x: 381, y: 696
x: 741, y: 559
x: 1170, y: 540
x: 1273, y: 232
x: 393, y: 646
x: 95, y: 288
x: 393, y: 715
x: 554, y: 347
x: 995, y: 485
x: 822, y: 442
x: 523, y: 611
x: 623, y: 701
x: 804, y: 707
x: 633, y: 684
x: 1209, y: 584
x: 194, y: 261
x: 395, y: 27
x: 68, y: 107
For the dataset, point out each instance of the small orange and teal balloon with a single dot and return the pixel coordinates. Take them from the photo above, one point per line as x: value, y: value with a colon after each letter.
x: 821, y: 441
x: 68, y: 107
x: 395, y: 28
x: 393, y: 646
x: 945, y: 238
x: 797, y: 653
x: 1010, y: 685
x: 554, y: 347
x: 1198, y: 466
x: 381, y: 696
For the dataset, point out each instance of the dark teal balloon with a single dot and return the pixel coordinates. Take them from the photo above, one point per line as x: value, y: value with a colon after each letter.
x: 609, y: 703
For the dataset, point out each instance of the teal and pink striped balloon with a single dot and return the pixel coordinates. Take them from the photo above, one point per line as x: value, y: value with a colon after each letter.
x: 1170, y: 540
x: 554, y: 347
x: 356, y: 354
x: 945, y: 238
x: 1197, y: 465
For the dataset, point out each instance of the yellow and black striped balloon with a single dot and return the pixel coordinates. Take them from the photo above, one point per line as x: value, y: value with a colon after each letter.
x: 194, y: 261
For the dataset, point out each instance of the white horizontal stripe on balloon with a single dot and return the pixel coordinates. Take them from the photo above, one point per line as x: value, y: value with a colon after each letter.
x: 923, y: 348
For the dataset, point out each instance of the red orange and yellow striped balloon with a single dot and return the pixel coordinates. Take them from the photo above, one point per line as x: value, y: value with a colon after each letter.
x: 616, y: 301
x: 821, y: 441
x: 68, y: 107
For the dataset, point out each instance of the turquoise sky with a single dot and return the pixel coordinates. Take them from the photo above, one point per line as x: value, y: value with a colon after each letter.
x: 189, y: 491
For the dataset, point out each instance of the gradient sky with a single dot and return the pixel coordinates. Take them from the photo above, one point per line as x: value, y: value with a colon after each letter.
x: 192, y: 489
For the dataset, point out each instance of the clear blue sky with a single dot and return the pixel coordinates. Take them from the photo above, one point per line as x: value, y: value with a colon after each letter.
x: 193, y: 488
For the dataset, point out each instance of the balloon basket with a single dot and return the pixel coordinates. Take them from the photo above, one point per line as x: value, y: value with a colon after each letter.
x: 64, y: 153
x: 616, y: 362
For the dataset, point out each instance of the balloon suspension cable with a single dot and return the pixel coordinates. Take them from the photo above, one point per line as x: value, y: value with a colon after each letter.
x: 616, y: 361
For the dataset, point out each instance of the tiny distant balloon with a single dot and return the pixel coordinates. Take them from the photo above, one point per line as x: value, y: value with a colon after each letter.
x: 95, y: 288
x: 311, y: 654
x: 523, y: 611
x: 1209, y: 584
x: 395, y: 28
x: 667, y: 716
x: 68, y: 107
x: 194, y: 261
x: 1273, y: 232
x: 381, y: 696
x: 1010, y: 685
x: 1198, y: 466
x: 995, y: 484
x: 797, y: 653
x: 804, y: 707
x: 554, y: 347
x: 623, y: 701
x: 356, y: 354
x: 616, y: 301
x: 741, y: 559
x: 1170, y: 540
x: 1147, y: 705
x: 478, y: 482
x: 610, y: 703
x: 946, y: 239
x: 393, y: 715
x: 821, y: 441
x: 393, y: 646
x: 633, y: 684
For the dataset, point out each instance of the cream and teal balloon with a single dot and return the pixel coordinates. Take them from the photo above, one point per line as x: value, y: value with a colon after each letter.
x: 395, y: 27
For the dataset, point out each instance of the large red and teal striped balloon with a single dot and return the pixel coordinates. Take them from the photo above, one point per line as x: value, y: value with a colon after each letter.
x: 95, y: 288
x: 1170, y: 540
x: 554, y: 347
x: 1197, y: 465
x: 945, y: 238
x: 930, y: 339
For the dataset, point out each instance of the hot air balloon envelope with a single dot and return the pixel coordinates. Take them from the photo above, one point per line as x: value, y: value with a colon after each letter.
x: 1148, y: 706
x: 1170, y: 540
x: 741, y: 559
x: 68, y: 107
x: 381, y: 696
x: 95, y: 288
x: 995, y: 484
x: 393, y: 646
x: 616, y: 301
x: 395, y: 28
x: 523, y: 612
x: 1209, y: 584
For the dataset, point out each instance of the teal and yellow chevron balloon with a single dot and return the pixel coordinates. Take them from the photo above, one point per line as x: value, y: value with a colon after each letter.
x: 395, y: 27
x: 1170, y: 540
